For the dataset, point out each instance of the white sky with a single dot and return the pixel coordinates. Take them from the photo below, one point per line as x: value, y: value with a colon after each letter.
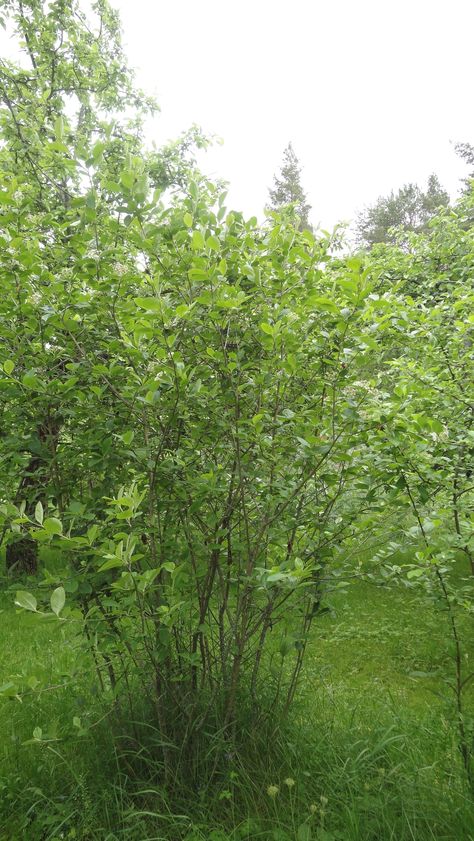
x: 371, y: 92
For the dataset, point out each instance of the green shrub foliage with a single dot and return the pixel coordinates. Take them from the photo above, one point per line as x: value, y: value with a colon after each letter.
x: 208, y: 417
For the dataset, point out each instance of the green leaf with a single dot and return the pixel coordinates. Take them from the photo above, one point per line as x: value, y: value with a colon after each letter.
x: 188, y: 220
x: 72, y: 585
x: 169, y: 566
x: 415, y: 573
x: 57, y: 601
x: 304, y: 832
x: 57, y: 146
x: 112, y: 563
x: 127, y: 179
x: 39, y: 513
x: 354, y: 263
x: 30, y: 380
x: 267, y: 328
x: 97, y: 150
x: 303, y: 441
x: 59, y: 128
x: 197, y: 242
x: 149, y: 304
x: 8, y: 688
x: 6, y: 197
x: 8, y: 366
x: 26, y: 600
x: 279, y: 835
x: 213, y: 243
x: 323, y: 304
x: 151, y: 395
x: 53, y: 526
x: 181, y: 310
x: 197, y: 274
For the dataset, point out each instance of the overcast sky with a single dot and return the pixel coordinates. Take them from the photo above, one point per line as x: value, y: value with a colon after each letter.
x: 371, y: 92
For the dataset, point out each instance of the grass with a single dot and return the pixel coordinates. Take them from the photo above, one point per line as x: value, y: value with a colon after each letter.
x: 371, y: 746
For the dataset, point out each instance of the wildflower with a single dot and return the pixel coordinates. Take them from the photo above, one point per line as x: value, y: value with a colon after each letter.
x: 323, y: 800
x: 289, y: 782
x: 313, y: 808
x: 272, y: 791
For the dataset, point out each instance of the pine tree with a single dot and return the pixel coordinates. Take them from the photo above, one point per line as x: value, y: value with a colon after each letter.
x: 466, y: 152
x: 287, y: 189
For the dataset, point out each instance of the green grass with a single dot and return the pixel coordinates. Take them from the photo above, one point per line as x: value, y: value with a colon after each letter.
x: 385, y: 637
x: 369, y: 735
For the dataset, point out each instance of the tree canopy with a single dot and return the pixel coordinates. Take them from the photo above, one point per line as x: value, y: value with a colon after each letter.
x: 466, y: 152
x: 409, y: 209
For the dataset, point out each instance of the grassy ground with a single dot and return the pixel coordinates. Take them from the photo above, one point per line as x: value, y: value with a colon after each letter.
x: 372, y: 748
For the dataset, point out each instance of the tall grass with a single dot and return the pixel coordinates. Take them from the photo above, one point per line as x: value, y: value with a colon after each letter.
x: 331, y: 775
x: 368, y: 754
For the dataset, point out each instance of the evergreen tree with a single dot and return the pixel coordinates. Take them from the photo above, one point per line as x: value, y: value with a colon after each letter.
x: 287, y: 189
x: 410, y: 208
x: 466, y: 152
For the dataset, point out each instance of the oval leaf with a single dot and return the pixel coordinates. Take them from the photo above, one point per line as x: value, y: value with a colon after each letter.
x: 149, y: 304
x: 58, y: 598
x: 197, y: 241
x: 26, y: 600
x: 53, y: 526
x: 39, y: 513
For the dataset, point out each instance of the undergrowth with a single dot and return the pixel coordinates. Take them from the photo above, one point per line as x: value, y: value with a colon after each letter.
x: 368, y: 754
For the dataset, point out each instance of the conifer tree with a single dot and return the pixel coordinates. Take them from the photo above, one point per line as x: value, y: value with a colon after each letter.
x: 287, y: 189
x: 466, y: 152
